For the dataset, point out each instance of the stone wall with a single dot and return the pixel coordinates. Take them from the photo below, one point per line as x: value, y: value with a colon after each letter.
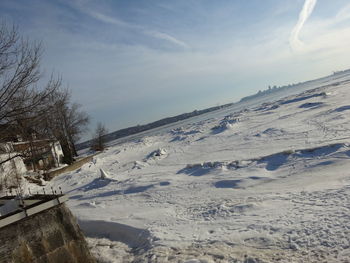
x: 52, y: 236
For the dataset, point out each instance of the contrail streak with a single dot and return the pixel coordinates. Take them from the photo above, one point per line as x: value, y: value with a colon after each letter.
x: 295, y: 42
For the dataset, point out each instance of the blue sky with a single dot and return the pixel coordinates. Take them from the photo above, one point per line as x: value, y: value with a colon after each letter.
x: 131, y: 62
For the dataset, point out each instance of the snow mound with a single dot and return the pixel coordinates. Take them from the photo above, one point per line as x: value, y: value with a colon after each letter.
x: 183, y: 131
x: 267, y: 107
x: 157, y: 154
x: 146, y: 141
x: 200, y: 169
x: 304, y: 96
x: 139, y: 165
x: 317, y: 154
x: 311, y: 105
x: 271, y: 162
x: 271, y: 132
x: 178, y: 138
x: 226, y: 124
x: 181, y: 134
x: 133, y: 237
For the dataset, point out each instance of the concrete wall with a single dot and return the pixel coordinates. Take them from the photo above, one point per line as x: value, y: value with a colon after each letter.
x: 52, y: 236
x: 10, y: 170
x: 16, y: 165
x: 76, y: 165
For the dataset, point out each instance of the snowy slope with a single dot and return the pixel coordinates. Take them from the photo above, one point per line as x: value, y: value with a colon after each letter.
x: 266, y: 184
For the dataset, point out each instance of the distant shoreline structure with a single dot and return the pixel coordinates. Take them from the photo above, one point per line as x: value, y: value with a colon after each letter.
x: 273, y: 89
x: 341, y: 72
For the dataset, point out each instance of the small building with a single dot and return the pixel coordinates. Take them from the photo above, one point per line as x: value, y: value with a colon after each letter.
x: 36, y: 151
x: 40, y: 154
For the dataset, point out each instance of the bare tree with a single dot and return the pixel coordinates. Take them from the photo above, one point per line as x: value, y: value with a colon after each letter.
x: 19, y: 75
x: 21, y: 99
x: 77, y: 121
x: 64, y: 121
x: 98, y: 140
x: 26, y: 106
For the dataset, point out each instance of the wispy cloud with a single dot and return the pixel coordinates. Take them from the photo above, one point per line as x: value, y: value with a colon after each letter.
x: 118, y: 22
x: 106, y: 19
x: 343, y: 14
x: 295, y: 42
x: 327, y: 37
x: 164, y: 36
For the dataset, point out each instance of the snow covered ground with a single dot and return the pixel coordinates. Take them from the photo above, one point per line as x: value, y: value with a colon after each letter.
x: 265, y: 183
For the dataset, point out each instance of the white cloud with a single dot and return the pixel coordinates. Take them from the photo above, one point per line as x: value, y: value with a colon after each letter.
x: 328, y: 37
x: 295, y: 42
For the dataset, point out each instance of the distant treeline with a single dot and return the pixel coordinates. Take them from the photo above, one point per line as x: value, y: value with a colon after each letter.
x: 141, y: 128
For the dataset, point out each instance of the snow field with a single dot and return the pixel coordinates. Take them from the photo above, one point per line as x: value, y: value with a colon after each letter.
x: 266, y: 184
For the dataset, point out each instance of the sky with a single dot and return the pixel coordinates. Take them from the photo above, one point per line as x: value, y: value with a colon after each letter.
x: 130, y: 62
